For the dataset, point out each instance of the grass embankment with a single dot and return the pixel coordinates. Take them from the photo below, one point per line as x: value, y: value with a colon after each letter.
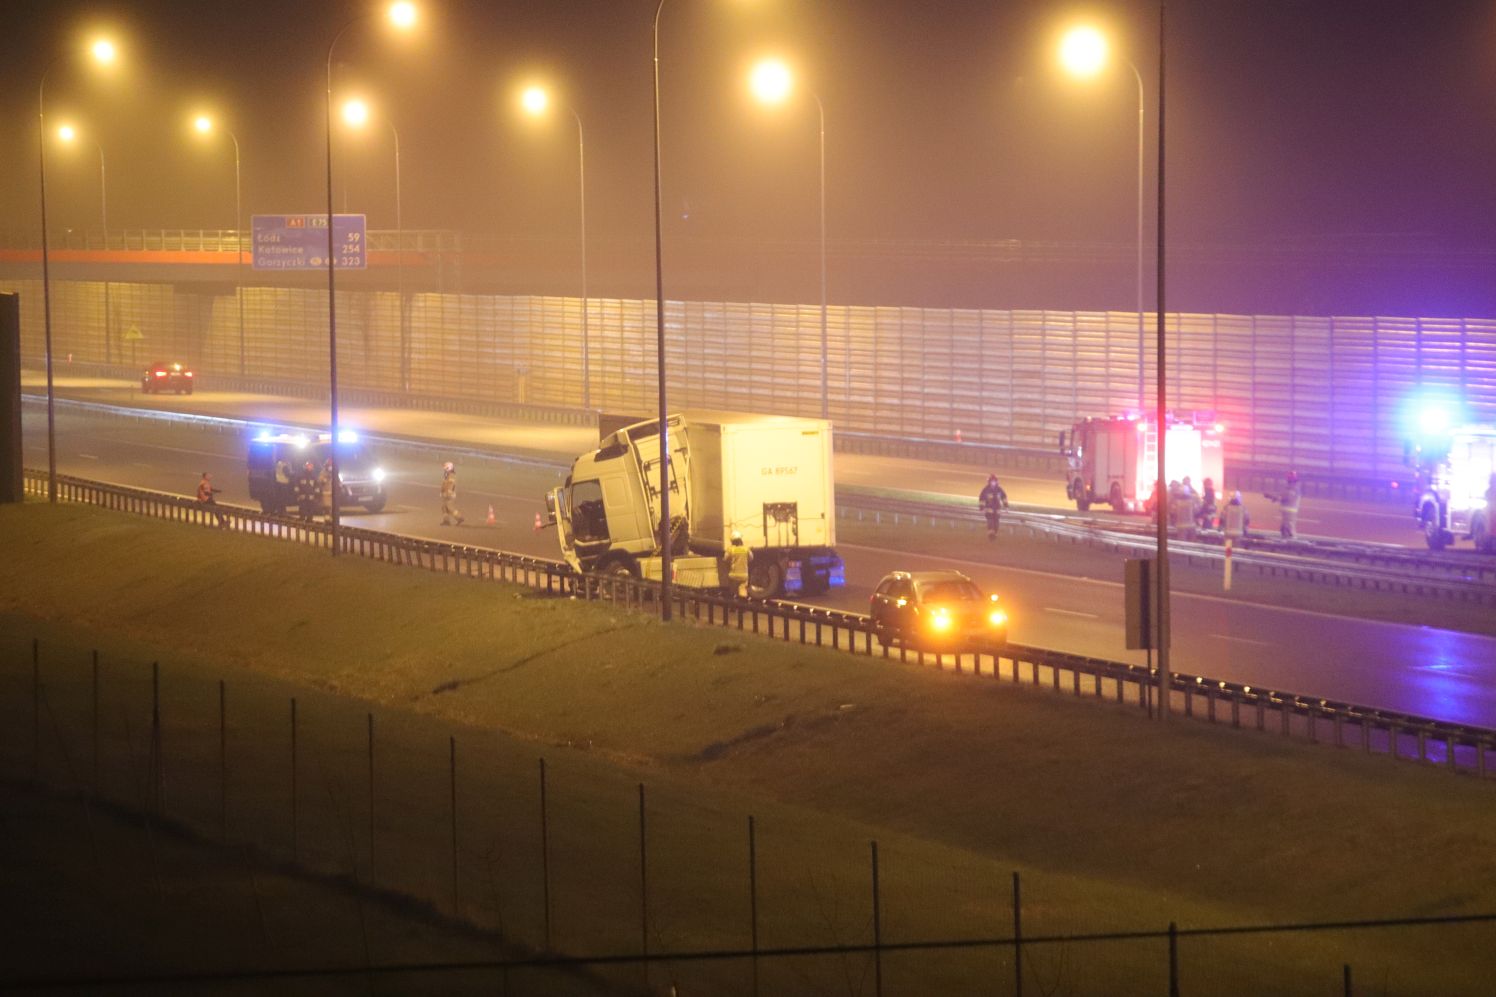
x: 1118, y: 823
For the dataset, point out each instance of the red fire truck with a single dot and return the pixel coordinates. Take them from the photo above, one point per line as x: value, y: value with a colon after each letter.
x: 1115, y: 459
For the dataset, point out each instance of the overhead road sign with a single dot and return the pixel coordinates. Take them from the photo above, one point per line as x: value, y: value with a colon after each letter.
x: 299, y: 242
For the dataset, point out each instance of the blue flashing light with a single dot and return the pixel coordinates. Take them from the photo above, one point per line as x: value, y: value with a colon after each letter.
x: 347, y: 436
x: 263, y: 437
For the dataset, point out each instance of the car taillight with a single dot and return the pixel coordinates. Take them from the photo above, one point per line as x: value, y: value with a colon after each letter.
x: 189, y: 373
x: 160, y: 373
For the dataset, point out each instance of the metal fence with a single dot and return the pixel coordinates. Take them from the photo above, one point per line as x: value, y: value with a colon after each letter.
x: 1456, y: 747
x: 566, y: 870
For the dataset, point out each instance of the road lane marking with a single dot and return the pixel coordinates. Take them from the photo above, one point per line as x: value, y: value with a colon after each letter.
x: 1242, y: 640
x: 89, y: 456
x: 1071, y: 612
x: 1174, y: 596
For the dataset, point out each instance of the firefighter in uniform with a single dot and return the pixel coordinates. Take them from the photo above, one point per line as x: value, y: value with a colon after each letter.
x: 1288, y: 500
x: 205, y: 493
x: 306, y: 491
x: 992, y: 501
x: 324, y: 488
x: 450, y: 511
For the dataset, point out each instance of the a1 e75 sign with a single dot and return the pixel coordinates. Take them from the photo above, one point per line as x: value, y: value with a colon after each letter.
x: 299, y: 242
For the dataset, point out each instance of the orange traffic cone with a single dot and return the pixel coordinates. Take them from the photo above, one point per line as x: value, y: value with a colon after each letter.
x: 491, y: 521
x: 538, y: 524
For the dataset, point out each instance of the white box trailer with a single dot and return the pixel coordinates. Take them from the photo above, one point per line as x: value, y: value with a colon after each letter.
x: 752, y: 499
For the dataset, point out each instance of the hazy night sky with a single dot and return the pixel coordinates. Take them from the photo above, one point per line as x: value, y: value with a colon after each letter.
x: 1289, y: 122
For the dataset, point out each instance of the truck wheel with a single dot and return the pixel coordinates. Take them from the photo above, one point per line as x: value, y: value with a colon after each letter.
x: 1433, y: 533
x: 620, y: 568
x: 1082, y: 498
x: 1119, y: 504
x: 765, y: 580
x: 375, y: 504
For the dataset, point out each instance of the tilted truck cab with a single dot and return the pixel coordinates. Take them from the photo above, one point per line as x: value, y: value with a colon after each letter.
x: 751, y: 499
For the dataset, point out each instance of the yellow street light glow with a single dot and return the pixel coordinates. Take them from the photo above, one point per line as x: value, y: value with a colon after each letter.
x: 1083, y: 51
x: 203, y: 123
x: 403, y: 14
x: 103, y: 51
x: 771, y: 81
x: 356, y: 113
x: 534, y: 100
x: 67, y: 133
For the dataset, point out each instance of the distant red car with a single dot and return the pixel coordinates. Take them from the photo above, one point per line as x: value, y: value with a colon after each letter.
x: 174, y: 377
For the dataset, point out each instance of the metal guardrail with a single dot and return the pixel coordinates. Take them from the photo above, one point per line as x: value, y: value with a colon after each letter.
x: 1457, y: 747
x: 1386, y: 568
x: 1406, y: 577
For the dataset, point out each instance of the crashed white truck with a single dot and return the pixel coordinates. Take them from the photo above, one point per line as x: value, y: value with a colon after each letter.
x: 751, y: 501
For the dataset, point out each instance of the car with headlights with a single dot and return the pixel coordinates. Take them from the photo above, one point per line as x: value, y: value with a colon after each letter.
x: 162, y: 376
x: 938, y: 609
x: 277, y: 461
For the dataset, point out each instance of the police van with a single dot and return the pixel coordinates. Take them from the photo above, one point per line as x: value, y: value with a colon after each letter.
x: 280, y: 463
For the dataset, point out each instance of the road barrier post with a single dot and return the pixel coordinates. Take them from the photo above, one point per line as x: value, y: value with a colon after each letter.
x: 643, y: 889
x: 877, y: 929
x: 452, y: 773
x: 293, y: 778
x: 1017, y: 939
x: 370, y: 718
x: 223, y: 764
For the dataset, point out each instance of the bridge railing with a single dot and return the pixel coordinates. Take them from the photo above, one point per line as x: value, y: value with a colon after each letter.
x: 1455, y: 747
x: 218, y: 240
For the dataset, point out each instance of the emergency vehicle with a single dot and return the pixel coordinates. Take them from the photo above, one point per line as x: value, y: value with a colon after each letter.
x: 359, y: 470
x: 1453, y: 498
x: 1115, y: 460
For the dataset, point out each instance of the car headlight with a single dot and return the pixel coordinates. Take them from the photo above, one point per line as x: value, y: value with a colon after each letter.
x: 379, y: 474
x: 940, y: 620
x: 997, y: 618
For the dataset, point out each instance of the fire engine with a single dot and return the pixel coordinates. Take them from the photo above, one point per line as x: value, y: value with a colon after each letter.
x: 1455, y: 491
x: 1115, y: 459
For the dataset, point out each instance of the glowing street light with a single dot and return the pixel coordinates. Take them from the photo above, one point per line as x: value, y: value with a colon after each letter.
x: 104, y: 53
x: 1084, y: 53
x: 402, y: 16
x: 536, y: 102
x: 355, y: 113
x: 68, y: 134
x: 772, y: 82
x: 203, y: 125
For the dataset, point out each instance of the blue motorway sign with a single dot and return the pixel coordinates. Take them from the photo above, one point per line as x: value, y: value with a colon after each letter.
x: 299, y: 242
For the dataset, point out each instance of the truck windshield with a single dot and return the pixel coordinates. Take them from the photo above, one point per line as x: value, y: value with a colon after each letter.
x: 589, y: 520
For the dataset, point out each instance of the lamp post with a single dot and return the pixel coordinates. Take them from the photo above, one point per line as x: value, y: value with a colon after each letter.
x: 1083, y: 53
x: 204, y: 126
x: 771, y: 82
x: 69, y: 134
x: 535, y: 101
x: 103, y: 53
x: 402, y: 15
x: 664, y: 413
x: 356, y: 115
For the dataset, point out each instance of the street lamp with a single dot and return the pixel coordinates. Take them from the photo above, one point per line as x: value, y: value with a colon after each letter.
x: 772, y: 83
x: 536, y: 101
x: 104, y: 54
x: 402, y: 16
x: 356, y: 115
x: 665, y: 554
x: 204, y: 126
x: 1084, y: 54
x: 68, y: 134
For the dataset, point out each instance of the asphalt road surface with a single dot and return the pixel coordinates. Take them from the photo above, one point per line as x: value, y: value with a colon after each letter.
x: 1421, y: 670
